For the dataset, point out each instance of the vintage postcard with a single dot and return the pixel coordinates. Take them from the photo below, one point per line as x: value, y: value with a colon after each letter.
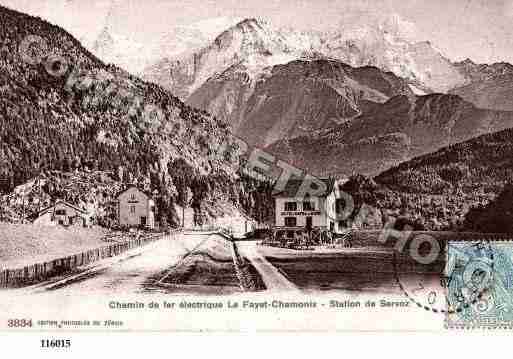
x: 222, y: 166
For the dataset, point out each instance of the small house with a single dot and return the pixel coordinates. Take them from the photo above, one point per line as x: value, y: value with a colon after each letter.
x: 136, y: 208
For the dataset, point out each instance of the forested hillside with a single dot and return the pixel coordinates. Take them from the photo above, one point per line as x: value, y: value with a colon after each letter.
x: 92, y: 191
x: 436, y: 191
x: 496, y: 216
x: 70, y: 107
x: 481, y: 165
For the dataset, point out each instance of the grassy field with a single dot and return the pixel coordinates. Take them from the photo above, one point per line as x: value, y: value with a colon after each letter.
x: 365, y: 270
x: 370, y: 266
x: 25, y: 244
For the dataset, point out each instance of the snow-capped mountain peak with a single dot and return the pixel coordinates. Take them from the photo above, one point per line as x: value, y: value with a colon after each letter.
x: 389, y: 44
x: 123, y: 51
x: 135, y: 56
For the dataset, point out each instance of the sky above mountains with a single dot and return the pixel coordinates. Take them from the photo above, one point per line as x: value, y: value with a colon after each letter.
x: 477, y: 29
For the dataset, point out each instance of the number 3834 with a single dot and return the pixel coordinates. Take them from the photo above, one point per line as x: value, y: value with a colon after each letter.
x: 19, y: 323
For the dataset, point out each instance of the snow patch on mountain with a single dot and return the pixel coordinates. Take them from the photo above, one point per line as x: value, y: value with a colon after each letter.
x: 135, y: 56
x: 122, y: 51
x: 417, y: 91
x: 187, y: 38
x: 390, y: 44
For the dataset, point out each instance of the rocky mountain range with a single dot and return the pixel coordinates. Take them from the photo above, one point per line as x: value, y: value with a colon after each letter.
x: 299, y: 98
x: 136, y: 56
x: 284, y: 88
x: 488, y: 86
x: 274, y: 85
x: 122, y: 51
x: 387, y: 134
x: 247, y: 42
x: 257, y: 44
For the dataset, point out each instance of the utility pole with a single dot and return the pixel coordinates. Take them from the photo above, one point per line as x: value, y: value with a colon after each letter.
x: 23, y: 207
x: 40, y: 194
x: 187, y: 202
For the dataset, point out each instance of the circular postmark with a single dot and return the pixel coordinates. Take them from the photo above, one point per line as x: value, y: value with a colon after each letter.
x: 458, y: 278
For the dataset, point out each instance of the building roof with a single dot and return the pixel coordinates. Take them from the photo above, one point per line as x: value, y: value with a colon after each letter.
x: 292, y: 187
x: 63, y: 202
x: 147, y: 193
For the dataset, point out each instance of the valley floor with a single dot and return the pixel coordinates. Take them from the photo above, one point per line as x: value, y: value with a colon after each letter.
x: 26, y: 244
x: 202, y: 263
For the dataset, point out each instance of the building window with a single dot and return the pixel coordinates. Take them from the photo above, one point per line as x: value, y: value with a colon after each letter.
x: 340, y: 206
x: 290, y: 221
x: 132, y: 209
x: 309, y: 222
x: 290, y: 206
x: 132, y: 197
x: 308, y: 206
x: 60, y: 212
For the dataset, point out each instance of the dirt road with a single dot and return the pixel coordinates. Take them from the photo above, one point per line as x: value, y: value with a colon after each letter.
x: 133, y: 272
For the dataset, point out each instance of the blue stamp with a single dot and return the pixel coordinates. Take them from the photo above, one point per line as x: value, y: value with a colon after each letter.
x: 479, y: 285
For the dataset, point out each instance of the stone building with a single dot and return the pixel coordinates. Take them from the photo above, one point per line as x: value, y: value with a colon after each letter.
x: 136, y: 208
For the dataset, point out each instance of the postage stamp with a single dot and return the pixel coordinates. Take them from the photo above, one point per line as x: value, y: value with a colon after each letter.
x: 480, y: 285
x: 216, y: 166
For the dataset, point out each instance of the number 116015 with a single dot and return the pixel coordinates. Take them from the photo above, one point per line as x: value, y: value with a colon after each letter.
x: 55, y: 343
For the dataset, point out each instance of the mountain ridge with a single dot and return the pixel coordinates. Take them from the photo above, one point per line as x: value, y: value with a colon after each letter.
x: 489, y: 85
x: 250, y: 37
x: 294, y: 99
x: 421, y: 124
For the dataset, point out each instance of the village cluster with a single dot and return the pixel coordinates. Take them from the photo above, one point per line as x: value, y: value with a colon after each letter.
x: 298, y: 220
x: 134, y: 208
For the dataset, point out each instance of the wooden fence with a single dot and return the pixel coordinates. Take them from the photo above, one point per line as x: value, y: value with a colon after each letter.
x: 10, y: 278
